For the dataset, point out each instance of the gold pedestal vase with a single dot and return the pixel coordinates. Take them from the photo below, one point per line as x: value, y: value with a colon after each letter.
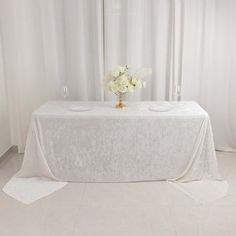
x: 120, y: 103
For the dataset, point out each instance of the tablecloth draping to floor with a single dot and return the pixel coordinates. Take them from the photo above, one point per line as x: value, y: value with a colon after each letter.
x: 105, y: 144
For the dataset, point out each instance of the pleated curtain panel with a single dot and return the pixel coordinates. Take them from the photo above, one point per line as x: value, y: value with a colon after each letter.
x: 190, y: 46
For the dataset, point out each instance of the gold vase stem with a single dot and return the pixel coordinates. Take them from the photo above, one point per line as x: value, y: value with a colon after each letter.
x: 120, y: 103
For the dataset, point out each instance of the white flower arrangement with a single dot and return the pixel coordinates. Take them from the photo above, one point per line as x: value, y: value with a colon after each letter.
x: 120, y: 81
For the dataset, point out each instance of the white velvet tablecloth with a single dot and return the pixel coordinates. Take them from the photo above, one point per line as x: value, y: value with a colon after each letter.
x: 106, y: 144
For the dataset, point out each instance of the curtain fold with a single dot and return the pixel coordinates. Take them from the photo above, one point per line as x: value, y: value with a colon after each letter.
x: 5, y: 143
x: 137, y: 33
x: 83, y: 41
x: 30, y: 62
x: 50, y: 44
x: 209, y: 65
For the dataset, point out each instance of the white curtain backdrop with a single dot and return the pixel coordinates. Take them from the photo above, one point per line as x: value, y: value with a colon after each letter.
x: 137, y: 33
x: 189, y: 44
x: 209, y: 64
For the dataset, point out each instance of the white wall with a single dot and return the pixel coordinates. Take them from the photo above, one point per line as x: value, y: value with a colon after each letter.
x: 5, y: 142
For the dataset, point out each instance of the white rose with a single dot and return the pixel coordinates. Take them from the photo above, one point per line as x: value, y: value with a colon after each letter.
x: 130, y: 88
x: 139, y: 84
x: 115, y: 72
x: 122, y: 69
x: 134, y: 81
x: 144, y: 84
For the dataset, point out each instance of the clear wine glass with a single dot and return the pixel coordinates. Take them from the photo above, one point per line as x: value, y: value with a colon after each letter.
x: 177, y: 91
x: 64, y: 92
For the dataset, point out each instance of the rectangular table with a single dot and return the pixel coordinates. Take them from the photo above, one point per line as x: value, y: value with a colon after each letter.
x: 106, y: 144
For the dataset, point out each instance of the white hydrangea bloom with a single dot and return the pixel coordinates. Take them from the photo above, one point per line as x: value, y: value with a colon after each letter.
x: 122, y: 88
x: 123, y: 80
x: 113, y: 86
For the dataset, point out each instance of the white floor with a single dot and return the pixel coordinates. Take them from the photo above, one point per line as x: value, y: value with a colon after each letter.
x: 124, y: 209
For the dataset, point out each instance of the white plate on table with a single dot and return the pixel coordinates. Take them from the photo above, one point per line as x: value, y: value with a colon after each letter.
x: 160, y: 108
x: 79, y: 108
